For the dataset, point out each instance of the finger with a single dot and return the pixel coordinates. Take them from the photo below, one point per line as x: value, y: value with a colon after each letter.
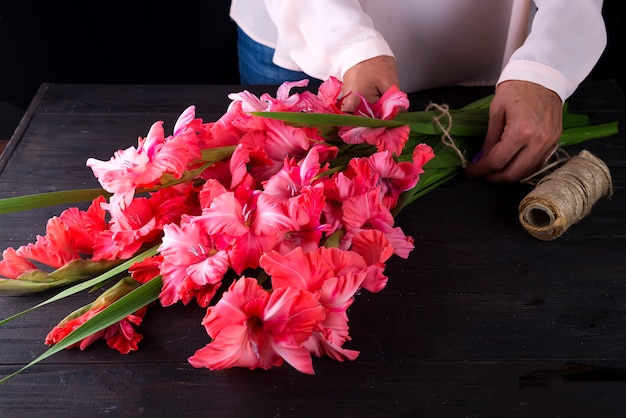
x: 524, y: 164
x: 495, y: 129
x: 493, y: 162
x: 495, y: 157
x: 349, y: 103
x: 518, y: 168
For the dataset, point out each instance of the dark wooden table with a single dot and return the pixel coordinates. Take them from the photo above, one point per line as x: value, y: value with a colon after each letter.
x: 481, y: 320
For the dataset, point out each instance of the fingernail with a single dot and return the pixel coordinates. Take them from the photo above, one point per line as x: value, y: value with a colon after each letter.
x: 477, y: 156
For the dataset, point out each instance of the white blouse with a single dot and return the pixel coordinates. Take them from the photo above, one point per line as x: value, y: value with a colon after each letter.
x: 436, y: 42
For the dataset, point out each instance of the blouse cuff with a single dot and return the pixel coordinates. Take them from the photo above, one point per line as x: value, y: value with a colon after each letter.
x: 540, y: 74
x: 351, y: 55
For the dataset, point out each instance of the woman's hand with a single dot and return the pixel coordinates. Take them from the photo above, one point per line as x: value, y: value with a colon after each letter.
x: 525, y: 125
x: 370, y: 78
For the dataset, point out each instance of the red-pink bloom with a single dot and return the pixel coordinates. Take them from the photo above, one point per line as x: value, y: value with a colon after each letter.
x: 334, y: 276
x: 381, y: 169
x: 209, y: 191
x: 325, y: 101
x: 120, y: 336
x: 154, y: 156
x: 13, y: 266
x: 375, y: 248
x: 239, y: 164
x: 384, y: 139
x: 192, y: 264
x: 336, y: 295
x: 269, y: 142
x: 253, y: 328
x: 360, y: 209
x: 366, y: 211
x: 223, y: 132
x: 306, y: 209
x: 303, y: 199
x: 142, y: 220
x: 294, y: 175
x: 55, y: 249
x: 269, y: 147
x: 387, y: 107
x: 147, y: 269
x: 68, y: 237
x: 84, y: 226
x: 249, y: 221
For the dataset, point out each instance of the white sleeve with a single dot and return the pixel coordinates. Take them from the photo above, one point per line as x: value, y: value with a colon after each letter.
x: 566, y: 40
x: 324, y: 38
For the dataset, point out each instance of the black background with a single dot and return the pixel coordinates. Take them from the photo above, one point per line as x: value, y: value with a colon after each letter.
x: 181, y: 42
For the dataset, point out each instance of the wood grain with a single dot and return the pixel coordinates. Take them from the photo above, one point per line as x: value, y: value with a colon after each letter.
x: 481, y: 320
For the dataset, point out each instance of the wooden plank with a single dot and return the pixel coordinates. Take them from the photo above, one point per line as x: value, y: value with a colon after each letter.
x: 468, y: 388
x: 481, y: 318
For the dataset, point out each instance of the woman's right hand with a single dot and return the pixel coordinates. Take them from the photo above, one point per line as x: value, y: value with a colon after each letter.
x: 370, y: 78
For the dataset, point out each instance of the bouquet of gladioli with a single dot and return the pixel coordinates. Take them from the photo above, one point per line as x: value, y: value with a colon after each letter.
x: 272, y: 217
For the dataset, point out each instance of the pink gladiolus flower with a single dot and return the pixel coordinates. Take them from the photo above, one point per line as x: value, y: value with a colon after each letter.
x: 381, y: 169
x: 147, y: 269
x: 303, y: 199
x: 85, y: 226
x: 55, y: 249
x: 155, y: 155
x: 306, y: 209
x: 253, y: 328
x: 294, y: 175
x: 249, y: 221
x: 120, y: 336
x: 334, y: 276
x: 13, y: 266
x: 375, y: 249
x: 326, y: 100
x: 142, y: 220
x: 67, y: 238
x: 366, y: 211
x: 384, y: 139
x: 392, y: 102
x: 273, y: 144
x: 192, y: 265
x: 387, y: 107
x: 336, y: 295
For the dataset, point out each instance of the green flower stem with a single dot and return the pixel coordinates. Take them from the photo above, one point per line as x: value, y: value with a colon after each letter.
x: 96, y: 281
x: 118, y: 310
x: 40, y: 200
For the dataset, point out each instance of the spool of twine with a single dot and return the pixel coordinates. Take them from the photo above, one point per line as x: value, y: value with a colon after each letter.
x: 565, y: 196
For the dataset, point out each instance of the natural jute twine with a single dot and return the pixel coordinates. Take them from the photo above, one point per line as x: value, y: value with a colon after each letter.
x: 446, y: 139
x: 565, y: 196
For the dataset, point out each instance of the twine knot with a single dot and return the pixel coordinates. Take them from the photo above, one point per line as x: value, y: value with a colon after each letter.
x: 446, y: 139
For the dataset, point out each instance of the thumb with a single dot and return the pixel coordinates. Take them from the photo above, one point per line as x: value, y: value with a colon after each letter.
x: 350, y: 102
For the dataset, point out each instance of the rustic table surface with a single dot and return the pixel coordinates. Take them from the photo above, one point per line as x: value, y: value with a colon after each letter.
x: 481, y: 320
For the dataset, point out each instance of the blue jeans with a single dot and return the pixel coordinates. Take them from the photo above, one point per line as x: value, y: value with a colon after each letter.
x: 256, y: 66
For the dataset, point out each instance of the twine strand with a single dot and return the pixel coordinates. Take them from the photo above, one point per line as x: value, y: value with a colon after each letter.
x: 556, y: 159
x: 446, y: 139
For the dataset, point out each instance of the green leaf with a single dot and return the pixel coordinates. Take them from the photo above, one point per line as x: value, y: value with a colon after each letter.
x: 468, y: 122
x: 482, y: 103
x: 88, y: 284
x: 40, y: 200
x: 118, y: 310
x: 577, y: 135
x: 213, y: 155
x: 328, y: 119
